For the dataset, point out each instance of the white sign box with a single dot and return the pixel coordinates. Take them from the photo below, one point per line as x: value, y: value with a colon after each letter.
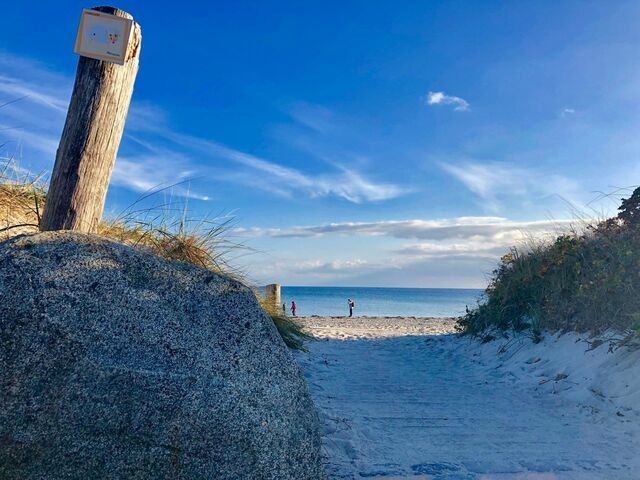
x: 103, y: 36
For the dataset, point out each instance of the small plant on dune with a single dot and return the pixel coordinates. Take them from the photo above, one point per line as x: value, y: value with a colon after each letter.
x: 581, y: 281
x: 292, y: 334
x: 21, y: 199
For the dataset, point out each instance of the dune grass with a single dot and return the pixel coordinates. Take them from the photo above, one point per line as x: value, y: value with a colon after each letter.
x: 292, y: 334
x: 21, y: 200
x: 164, y: 230
x: 199, y: 242
x: 587, y: 281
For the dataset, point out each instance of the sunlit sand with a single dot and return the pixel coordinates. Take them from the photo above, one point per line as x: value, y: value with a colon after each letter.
x: 406, y: 398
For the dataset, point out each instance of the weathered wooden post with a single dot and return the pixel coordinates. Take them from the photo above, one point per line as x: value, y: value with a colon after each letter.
x: 273, y: 296
x: 95, y: 120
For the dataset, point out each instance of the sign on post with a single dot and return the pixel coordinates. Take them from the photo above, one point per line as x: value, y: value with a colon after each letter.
x: 103, y: 36
x: 108, y: 43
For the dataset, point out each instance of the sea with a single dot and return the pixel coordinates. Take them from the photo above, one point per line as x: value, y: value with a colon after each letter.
x: 380, y: 301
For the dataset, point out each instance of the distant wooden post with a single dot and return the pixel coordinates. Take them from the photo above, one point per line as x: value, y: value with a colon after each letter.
x: 273, y: 296
x: 91, y: 136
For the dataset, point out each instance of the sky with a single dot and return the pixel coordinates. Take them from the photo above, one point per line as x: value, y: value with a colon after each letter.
x: 353, y: 143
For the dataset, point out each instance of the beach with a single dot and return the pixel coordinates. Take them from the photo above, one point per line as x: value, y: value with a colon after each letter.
x: 354, y: 328
x: 408, y: 398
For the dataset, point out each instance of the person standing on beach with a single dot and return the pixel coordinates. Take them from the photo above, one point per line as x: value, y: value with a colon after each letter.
x: 351, y: 304
x: 293, y: 308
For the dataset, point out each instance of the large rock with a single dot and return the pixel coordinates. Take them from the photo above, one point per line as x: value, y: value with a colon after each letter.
x: 118, y: 364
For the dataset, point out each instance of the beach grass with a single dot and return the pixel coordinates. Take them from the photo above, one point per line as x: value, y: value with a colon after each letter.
x: 292, y: 333
x: 587, y: 280
x: 22, y: 197
x: 155, y: 229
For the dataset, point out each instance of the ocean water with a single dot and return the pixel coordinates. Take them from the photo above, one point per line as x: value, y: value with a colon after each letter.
x: 378, y: 301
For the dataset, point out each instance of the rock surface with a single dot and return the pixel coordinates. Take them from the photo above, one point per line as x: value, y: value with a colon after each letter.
x: 119, y: 364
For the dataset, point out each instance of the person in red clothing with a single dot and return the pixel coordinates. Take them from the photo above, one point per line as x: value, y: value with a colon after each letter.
x: 293, y: 308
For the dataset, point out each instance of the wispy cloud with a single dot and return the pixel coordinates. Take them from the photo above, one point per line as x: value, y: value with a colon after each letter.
x: 454, y: 250
x: 345, y: 147
x: 34, y: 103
x: 34, y: 140
x: 441, y: 98
x: 317, y: 270
x: 477, y: 229
x: 345, y: 183
x: 567, y: 112
x: 145, y: 175
x: 491, y: 181
x: 147, y: 117
x: 11, y: 87
x: 333, y: 267
x: 155, y: 154
x: 487, y: 180
x: 430, y: 250
x: 315, y: 117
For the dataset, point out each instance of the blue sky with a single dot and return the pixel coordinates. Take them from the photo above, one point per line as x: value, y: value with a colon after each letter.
x: 355, y: 143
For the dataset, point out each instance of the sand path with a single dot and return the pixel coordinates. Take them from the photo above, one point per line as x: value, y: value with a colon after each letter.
x: 437, y: 407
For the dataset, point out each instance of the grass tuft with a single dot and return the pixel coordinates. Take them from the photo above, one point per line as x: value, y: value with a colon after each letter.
x: 21, y: 200
x: 202, y: 243
x: 291, y: 332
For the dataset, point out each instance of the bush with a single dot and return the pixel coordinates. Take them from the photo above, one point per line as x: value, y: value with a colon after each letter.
x: 587, y: 281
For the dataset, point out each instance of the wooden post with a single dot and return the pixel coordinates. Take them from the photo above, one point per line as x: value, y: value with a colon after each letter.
x: 273, y: 296
x: 91, y: 137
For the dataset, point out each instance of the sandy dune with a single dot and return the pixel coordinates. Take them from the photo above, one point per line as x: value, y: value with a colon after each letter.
x: 404, y: 398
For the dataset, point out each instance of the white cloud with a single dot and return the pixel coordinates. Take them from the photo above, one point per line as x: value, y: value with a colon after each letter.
x: 477, y: 229
x: 312, y: 269
x: 440, y: 98
x: 345, y: 183
x: 15, y: 89
x: 455, y: 252
x: 146, y: 117
x: 315, y: 117
x: 32, y: 120
x: 492, y: 181
x: 152, y: 152
x: 486, y: 180
x: 430, y: 250
x: 33, y: 107
x: 145, y: 175
x: 18, y: 138
x: 333, y: 267
x: 566, y: 112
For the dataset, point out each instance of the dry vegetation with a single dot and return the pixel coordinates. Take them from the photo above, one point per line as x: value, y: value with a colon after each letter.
x: 199, y: 242
x: 293, y: 335
x: 21, y: 201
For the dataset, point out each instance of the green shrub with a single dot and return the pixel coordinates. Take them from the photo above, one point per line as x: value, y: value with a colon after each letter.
x: 587, y: 281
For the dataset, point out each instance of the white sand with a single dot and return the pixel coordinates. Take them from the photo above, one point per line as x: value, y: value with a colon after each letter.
x: 343, y: 328
x: 401, y: 398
